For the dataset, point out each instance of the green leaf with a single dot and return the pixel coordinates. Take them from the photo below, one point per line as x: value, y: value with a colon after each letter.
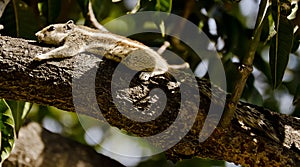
x: 164, y: 5
x: 7, y: 130
x: 19, y: 111
x: 20, y: 20
x: 53, y: 8
x: 281, y: 45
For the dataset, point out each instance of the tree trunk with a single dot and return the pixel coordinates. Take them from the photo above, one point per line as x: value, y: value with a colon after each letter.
x: 83, y: 84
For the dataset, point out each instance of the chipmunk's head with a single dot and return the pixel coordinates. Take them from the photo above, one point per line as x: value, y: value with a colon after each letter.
x: 55, y: 34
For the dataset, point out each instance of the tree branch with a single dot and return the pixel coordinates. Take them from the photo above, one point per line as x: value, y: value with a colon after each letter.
x: 38, y: 147
x: 255, y: 137
x: 246, y: 67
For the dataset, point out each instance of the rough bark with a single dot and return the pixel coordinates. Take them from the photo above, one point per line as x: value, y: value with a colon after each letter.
x: 255, y: 137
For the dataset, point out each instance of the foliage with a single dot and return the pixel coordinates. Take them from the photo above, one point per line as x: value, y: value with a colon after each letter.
x: 7, y: 126
x: 12, y: 116
x: 276, y: 60
x: 281, y: 45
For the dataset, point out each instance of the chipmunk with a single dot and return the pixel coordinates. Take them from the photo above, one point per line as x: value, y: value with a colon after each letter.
x: 73, y: 39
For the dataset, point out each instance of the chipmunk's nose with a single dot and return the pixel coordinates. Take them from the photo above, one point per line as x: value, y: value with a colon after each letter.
x: 39, y: 35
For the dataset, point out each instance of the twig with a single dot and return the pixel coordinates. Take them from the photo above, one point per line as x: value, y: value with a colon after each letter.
x: 245, y: 68
x: 93, y: 19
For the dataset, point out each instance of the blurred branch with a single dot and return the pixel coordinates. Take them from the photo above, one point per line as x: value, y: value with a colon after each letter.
x: 255, y: 137
x: 38, y: 147
x: 189, y: 6
x: 246, y: 67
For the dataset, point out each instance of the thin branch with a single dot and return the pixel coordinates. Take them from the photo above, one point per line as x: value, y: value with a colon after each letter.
x: 93, y: 18
x: 16, y: 13
x: 246, y: 67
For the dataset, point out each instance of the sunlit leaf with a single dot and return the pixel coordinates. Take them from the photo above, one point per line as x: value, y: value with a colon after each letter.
x: 19, y: 111
x: 7, y: 130
x: 281, y: 45
x: 16, y: 108
x: 163, y: 5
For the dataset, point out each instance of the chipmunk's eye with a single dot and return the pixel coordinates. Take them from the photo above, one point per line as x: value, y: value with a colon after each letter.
x: 51, y: 28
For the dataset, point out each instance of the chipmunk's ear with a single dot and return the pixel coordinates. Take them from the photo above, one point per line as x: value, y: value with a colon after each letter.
x: 69, y: 25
